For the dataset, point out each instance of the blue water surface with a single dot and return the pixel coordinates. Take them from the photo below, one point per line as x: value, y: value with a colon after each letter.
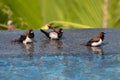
x: 60, y: 60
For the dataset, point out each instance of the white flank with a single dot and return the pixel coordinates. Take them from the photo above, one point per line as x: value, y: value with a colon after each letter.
x: 97, y: 43
x: 53, y: 35
x: 27, y: 40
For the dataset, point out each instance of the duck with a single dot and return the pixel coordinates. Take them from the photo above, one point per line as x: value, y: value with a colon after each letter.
x: 96, y: 40
x: 26, y: 37
x: 55, y: 34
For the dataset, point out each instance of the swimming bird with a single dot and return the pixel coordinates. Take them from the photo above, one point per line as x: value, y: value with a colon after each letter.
x: 10, y: 25
x: 96, y: 40
x: 26, y: 37
x: 55, y: 34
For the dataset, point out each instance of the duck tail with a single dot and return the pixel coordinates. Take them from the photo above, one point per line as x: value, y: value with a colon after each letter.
x: 83, y: 44
x: 46, y: 33
x: 15, y: 40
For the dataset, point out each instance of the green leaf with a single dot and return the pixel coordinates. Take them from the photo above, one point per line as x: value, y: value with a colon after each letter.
x: 80, y: 13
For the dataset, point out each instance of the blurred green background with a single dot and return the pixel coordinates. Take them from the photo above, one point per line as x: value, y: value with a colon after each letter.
x: 61, y: 13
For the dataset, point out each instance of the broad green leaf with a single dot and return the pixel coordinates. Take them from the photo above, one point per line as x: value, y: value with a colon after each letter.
x: 63, y: 13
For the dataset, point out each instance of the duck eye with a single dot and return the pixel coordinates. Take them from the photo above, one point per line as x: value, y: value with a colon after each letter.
x: 31, y: 32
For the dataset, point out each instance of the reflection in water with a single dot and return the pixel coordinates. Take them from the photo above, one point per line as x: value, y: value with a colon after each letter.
x: 29, y: 49
x: 97, y: 56
x: 54, y: 43
x: 96, y: 50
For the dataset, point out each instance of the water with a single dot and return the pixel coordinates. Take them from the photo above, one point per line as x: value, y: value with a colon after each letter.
x: 60, y: 60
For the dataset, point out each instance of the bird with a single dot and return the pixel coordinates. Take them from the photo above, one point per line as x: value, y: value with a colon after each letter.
x: 10, y: 25
x: 55, y: 34
x: 26, y: 37
x: 96, y: 40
